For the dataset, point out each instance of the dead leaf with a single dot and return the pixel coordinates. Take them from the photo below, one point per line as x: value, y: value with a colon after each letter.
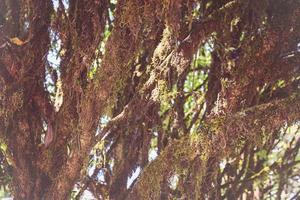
x: 17, y: 41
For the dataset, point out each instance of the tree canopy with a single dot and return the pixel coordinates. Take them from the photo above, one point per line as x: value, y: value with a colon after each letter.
x: 160, y: 99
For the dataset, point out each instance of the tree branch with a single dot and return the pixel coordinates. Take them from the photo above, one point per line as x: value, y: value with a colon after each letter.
x: 229, y: 130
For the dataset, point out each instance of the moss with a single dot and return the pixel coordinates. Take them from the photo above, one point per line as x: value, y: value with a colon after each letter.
x: 132, y: 18
x: 10, y: 104
x: 176, y: 158
x: 215, y: 126
x: 164, y: 97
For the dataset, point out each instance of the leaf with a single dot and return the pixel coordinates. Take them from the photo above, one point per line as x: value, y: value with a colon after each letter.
x: 262, y: 154
x: 17, y: 41
x: 3, y: 146
x: 49, y: 135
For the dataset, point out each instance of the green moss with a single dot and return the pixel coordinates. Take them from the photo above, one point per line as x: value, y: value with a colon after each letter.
x: 216, y: 125
x: 175, y: 159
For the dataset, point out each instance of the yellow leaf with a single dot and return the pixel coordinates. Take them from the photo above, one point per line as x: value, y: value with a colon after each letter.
x: 17, y: 41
